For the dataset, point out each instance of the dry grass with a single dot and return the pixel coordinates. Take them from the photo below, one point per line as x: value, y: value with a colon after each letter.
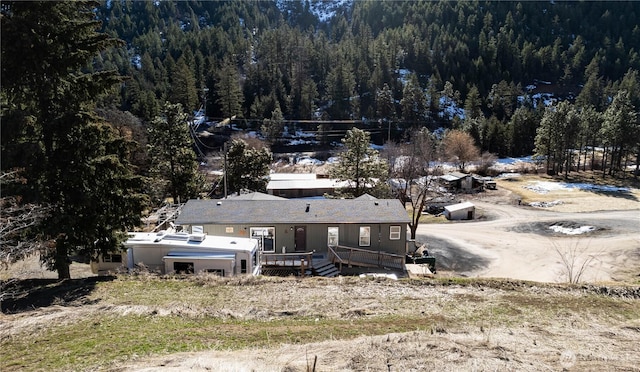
x: 575, y: 200
x: 348, y: 323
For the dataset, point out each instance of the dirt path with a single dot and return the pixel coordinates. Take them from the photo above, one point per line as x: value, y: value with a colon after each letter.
x: 516, y: 242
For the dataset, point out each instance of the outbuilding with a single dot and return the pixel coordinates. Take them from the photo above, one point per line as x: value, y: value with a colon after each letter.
x: 460, y: 211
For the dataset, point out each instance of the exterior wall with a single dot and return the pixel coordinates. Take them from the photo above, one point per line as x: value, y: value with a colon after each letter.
x: 202, y: 265
x: 101, y: 267
x: 466, y: 183
x: 152, y: 259
x: 317, y: 236
x: 460, y: 214
x: 300, y: 193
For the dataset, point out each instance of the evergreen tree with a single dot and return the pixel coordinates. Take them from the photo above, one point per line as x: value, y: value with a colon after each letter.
x: 227, y: 90
x: 359, y: 164
x: 556, y: 137
x: 247, y: 167
x: 272, y: 128
x: 620, y: 131
x: 76, y: 163
x: 183, y: 86
x: 174, y: 163
x: 340, y: 90
x: 385, y: 105
x: 413, y: 103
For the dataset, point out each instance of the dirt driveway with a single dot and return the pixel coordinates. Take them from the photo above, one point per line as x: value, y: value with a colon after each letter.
x: 517, y: 241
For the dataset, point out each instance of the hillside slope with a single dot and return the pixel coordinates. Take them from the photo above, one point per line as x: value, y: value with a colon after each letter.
x: 348, y: 324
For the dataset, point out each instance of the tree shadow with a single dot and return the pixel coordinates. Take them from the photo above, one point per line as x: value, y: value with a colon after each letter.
x: 31, y: 294
x: 615, y: 194
x: 452, y: 257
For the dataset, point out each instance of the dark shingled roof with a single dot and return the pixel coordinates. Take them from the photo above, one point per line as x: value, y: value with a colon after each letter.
x: 292, y: 211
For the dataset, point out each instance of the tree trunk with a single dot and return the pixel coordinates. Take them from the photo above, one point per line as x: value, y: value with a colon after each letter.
x: 413, y: 228
x: 62, y: 261
x: 604, y: 162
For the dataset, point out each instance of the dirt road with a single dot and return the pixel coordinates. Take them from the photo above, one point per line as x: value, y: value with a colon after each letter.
x: 512, y: 241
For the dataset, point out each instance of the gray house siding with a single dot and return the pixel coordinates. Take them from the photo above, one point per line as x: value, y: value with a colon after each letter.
x: 317, y: 236
x: 237, y: 218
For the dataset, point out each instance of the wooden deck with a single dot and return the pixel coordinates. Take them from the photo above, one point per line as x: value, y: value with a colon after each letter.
x: 298, y: 264
x: 342, y: 255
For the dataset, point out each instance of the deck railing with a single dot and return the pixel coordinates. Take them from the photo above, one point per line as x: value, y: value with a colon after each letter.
x: 303, y: 260
x: 343, y: 255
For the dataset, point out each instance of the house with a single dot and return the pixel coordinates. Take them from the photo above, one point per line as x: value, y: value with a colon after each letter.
x: 460, y: 211
x: 456, y: 182
x: 297, y: 225
x: 461, y: 182
x: 167, y: 253
x: 301, y: 185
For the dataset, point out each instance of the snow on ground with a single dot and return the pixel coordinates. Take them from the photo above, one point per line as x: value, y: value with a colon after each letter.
x: 572, y: 230
x: 305, y: 160
x: 544, y: 187
x: 450, y: 109
x: 546, y: 204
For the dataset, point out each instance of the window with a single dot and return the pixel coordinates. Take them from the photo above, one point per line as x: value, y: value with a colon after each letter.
x: 332, y: 236
x: 112, y: 258
x: 183, y: 267
x: 365, y: 236
x: 265, y: 237
x: 394, y: 232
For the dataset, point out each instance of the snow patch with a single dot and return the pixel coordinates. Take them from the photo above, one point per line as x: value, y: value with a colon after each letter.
x: 572, y: 230
x: 546, y: 204
x: 544, y: 187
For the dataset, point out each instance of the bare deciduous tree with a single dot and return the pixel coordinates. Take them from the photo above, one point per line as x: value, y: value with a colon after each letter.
x: 460, y: 148
x: 16, y: 220
x: 412, y: 175
x: 575, y: 260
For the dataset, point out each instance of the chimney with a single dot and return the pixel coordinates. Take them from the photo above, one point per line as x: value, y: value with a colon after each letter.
x: 308, y: 206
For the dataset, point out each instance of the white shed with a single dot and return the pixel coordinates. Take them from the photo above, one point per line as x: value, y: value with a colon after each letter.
x: 460, y: 211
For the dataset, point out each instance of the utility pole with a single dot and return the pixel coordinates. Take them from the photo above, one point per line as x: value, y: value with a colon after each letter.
x: 225, y: 169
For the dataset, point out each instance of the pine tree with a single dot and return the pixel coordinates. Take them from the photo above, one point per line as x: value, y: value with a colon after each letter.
x: 183, y: 86
x: 174, y: 162
x: 413, y: 102
x: 227, y: 90
x: 247, y: 167
x: 77, y: 163
x: 359, y: 164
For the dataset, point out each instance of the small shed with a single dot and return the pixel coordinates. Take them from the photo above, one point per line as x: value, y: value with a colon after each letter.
x: 460, y: 211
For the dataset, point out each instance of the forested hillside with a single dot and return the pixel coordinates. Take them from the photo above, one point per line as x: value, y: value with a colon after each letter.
x: 366, y: 60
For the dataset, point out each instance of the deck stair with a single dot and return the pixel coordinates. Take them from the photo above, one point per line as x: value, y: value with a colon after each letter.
x: 297, y: 264
x: 324, y: 267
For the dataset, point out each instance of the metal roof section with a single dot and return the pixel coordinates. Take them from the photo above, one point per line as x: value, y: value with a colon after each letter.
x: 459, y: 206
x: 232, y: 211
x: 453, y: 176
x: 292, y: 176
x: 255, y: 196
x: 301, y: 184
